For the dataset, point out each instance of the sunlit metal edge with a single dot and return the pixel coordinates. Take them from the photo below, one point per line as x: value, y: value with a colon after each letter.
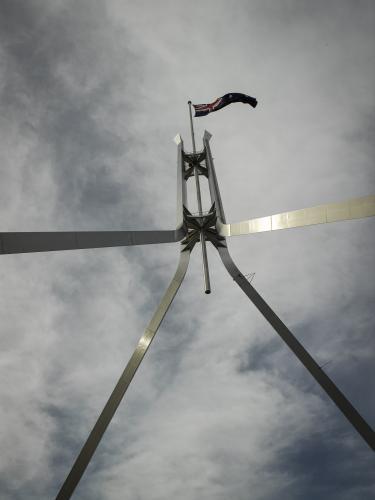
x: 355, y: 208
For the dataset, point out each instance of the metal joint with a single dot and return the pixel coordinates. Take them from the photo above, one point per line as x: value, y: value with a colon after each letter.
x: 197, y: 224
x: 194, y: 161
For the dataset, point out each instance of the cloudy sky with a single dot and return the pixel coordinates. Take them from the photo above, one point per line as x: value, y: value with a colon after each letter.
x: 92, y: 94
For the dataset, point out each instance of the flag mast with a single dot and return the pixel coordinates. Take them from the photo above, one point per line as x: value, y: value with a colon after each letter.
x: 207, y: 286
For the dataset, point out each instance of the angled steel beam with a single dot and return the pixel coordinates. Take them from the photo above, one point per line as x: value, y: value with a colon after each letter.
x: 113, y: 402
x: 306, y: 359
x: 297, y: 348
x: 356, y: 208
x: 73, y: 240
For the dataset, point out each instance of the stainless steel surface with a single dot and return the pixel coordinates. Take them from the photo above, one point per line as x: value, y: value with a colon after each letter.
x: 74, y: 240
x: 306, y: 359
x: 181, y: 183
x: 207, y: 284
x: 212, y: 179
x: 192, y: 128
x: 198, y: 189
x: 206, y: 274
x: 110, y: 408
x: 355, y: 208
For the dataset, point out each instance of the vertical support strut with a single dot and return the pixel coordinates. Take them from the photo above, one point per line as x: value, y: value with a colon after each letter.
x: 207, y: 285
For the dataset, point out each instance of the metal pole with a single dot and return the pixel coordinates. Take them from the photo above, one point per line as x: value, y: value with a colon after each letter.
x: 192, y: 128
x: 207, y: 286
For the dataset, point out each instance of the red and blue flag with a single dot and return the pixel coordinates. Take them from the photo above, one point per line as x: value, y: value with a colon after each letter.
x: 204, y: 109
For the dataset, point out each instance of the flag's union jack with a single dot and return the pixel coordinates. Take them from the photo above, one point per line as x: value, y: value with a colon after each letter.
x: 207, y: 108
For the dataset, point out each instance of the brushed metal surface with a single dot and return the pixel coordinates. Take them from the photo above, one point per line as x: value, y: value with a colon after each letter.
x: 212, y: 179
x: 24, y: 242
x: 114, y: 400
x: 181, y: 183
x: 206, y: 273
x: 356, y: 208
x: 297, y: 348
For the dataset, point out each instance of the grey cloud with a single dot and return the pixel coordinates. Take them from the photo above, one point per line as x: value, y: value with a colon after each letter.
x: 92, y: 94
x: 321, y: 475
x: 53, y: 63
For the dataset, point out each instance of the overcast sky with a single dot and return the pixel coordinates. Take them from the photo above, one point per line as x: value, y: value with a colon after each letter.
x: 92, y: 94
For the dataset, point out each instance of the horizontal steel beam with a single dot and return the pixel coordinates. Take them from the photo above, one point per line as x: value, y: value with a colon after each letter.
x: 74, y: 240
x: 356, y: 208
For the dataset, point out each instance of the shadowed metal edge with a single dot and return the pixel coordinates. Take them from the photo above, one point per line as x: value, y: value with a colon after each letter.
x: 25, y: 242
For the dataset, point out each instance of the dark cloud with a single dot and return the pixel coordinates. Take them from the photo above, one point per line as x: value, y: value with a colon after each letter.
x: 327, y: 470
x: 59, y: 79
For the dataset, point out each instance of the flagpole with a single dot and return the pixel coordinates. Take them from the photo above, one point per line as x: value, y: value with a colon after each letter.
x: 207, y: 286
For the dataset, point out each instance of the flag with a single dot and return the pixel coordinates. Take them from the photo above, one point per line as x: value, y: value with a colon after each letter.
x: 204, y: 109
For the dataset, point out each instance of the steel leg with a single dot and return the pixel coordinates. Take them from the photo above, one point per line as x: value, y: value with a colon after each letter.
x: 113, y: 402
x: 306, y: 359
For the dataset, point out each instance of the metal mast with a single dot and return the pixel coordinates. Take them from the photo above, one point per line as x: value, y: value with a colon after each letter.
x: 207, y: 287
x: 191, y: 229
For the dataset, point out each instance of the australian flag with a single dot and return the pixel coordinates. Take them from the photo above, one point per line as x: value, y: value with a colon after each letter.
x: 204, y: 109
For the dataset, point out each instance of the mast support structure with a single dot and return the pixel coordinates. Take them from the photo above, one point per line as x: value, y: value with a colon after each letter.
x: 191, y: 228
